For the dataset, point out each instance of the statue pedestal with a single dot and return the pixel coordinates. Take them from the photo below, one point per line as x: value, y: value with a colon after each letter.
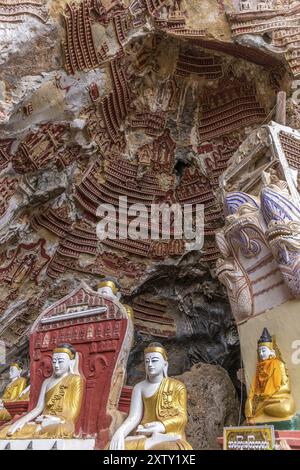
x: 100, y: 330
x: 292, y: 438
x: 47, y: 444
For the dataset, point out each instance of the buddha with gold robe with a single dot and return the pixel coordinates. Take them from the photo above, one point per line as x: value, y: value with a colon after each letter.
x: 13, y: 390
x: 158, y: 411
x: 270, y: 396
x: 59, y: 402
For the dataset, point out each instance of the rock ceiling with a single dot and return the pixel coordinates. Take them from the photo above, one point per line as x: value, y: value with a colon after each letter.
x: 147, y: 99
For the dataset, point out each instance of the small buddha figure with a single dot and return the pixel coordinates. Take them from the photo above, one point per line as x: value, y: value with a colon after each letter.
x: 13, y: 390
x: 158, y: 411
x: 130, y: 312
x: 270, y: 396
x: 58, y: 405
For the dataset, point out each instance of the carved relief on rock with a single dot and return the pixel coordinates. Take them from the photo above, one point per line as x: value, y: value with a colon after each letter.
x: 5, y: 153
x: 214, y: 156
x: 232, y: 276
x: 107, y: 263
x: 8, y: 188
x: 152, y: 122
x: 122, y: 178
x: 171, y: 17
x: 79, y: 48
x: 103, y: 342
x: 159, y: 155
x: 263, y: 150
x: 200, y: 64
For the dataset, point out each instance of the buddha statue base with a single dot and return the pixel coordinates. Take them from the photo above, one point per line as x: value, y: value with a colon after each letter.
x: 47, y: 444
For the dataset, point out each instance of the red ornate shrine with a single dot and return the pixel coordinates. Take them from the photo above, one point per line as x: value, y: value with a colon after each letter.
x: 100, y: 330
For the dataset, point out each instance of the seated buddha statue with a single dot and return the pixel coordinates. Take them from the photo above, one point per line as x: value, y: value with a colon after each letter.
x: 109, y: 287
x: 158, y: 411
x: 270, y: 396
x: 58, y: 405
x: 25, y: 395
x: 13, y: 390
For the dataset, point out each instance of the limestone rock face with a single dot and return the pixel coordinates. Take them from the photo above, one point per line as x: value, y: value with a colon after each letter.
x: 212, y: 404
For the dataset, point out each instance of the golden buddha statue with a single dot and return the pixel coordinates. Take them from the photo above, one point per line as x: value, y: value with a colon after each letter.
x: 270, y: 396
x: 58, y: 405
x: 158, y: 411
x: 13, y: 390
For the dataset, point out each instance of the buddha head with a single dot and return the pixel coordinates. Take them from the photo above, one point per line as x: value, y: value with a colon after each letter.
x: 265, y: 346
x: 15, y: 370
x: 62, y: 359
x: 110, y: 287
x: 156, y: 360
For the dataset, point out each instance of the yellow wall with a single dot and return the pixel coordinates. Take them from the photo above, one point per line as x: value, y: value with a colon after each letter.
x: 284, y: 323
